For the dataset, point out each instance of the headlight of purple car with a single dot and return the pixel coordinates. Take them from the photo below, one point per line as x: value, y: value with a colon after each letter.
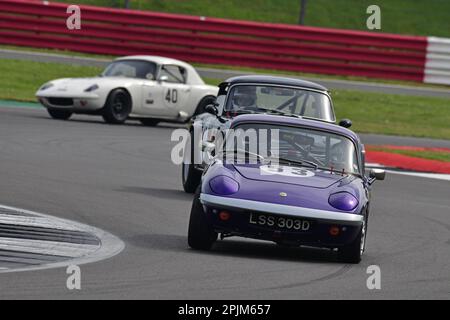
x: 343, y: 201
x: 223, y: 185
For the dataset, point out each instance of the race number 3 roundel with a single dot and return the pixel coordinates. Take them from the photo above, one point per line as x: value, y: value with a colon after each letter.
x: 286, y: 171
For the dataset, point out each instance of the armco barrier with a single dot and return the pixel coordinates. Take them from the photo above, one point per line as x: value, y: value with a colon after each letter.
x: 217, y: 41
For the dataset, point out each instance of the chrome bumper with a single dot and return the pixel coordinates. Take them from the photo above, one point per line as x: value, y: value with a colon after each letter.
x: 281, y: 209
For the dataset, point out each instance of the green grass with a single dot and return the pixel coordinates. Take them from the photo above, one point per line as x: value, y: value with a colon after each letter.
x: 212, y: 81
x: 416, y: 17
x: 21, y: 79
x: 56, y: 51
x: 426, y: 154
x: 370, y: 112
x: 394, y: 114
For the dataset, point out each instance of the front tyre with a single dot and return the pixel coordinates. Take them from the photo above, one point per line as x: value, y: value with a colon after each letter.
x: 117, y: 107
x: 59, y: 114
x: 190, y: 176
x: 201, y: 236
x: 353, y: 252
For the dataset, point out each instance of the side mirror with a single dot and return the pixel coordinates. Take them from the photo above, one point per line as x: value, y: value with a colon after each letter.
x: 212, y: 109
x: 346, y: 123
x: 378, y: 174
x: 163, y: 78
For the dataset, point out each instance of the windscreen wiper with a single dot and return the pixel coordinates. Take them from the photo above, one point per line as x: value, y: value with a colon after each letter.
x: 245, y: 152
x: 272, y: 111
x: 242, y: 111
x: 300, y: 162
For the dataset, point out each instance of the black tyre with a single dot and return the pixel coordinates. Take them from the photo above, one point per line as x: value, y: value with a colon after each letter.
x: 149, y: 122
x: 203, y: 103
x: 190, y: 176
x: 59, y: 114
x: 117, y: 107
x: 201, y: 236
x: 353, y: 252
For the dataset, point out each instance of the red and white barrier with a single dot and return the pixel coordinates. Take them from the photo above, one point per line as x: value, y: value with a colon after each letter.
x: 37, y: 23
x: 437, y: 65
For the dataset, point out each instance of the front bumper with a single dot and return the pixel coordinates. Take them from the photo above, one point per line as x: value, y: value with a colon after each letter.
x: 349, y: 224
x: 73, y: 104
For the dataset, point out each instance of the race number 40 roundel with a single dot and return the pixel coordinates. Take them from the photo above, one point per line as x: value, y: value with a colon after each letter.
x: 286, y: 171
x: 171, y: 97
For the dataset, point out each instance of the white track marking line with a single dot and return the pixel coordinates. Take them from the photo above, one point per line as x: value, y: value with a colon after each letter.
x: 54, y: 248
x: 35, y: 222
x: 374, y: 165
x: 438, y: 176
x: 110, y: 244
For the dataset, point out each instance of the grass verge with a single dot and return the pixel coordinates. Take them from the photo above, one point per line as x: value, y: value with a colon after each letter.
x: 370, y: 112
x: 394, y: 114
x: 22, y: 78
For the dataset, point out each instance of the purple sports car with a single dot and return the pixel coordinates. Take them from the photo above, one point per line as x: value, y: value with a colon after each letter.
x: 287, y: 180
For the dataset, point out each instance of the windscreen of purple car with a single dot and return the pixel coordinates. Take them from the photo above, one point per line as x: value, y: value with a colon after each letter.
x: 266, y: 142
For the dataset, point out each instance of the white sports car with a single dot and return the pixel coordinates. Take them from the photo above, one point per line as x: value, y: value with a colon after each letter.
x: 148, y: 88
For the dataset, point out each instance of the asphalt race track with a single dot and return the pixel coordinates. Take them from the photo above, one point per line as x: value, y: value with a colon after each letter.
x: 120, y: 179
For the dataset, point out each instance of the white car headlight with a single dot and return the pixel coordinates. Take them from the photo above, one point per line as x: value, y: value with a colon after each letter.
x: 91, y: 88
x: 46, y: 86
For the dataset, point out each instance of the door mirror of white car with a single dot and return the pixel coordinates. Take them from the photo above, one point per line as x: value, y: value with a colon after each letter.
x: 149, y: 76
x: 163, y: 78
x: 377, y: 174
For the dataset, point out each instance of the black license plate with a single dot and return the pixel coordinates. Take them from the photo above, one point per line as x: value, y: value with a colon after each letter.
x: 279, y: 222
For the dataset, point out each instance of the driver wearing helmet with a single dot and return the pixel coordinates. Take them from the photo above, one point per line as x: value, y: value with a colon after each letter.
x: 339, y: 156
x: 244, y: 98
